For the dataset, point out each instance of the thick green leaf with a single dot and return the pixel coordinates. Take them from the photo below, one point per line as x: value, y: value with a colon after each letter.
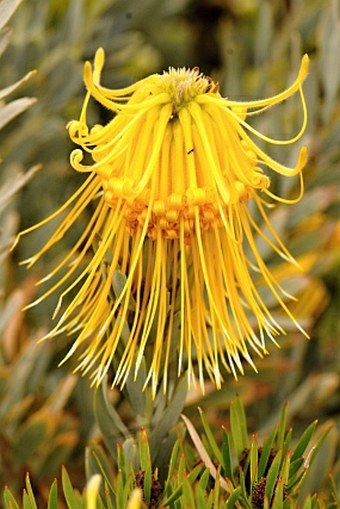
x: 108, y: 420
x: 169, y: 418
x: 138, y: 398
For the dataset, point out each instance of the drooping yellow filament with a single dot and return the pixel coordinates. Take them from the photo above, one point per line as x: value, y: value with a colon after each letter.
x: 172, y: 174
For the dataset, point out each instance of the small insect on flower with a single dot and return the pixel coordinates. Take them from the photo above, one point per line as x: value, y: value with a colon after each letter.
x: 170, y: 176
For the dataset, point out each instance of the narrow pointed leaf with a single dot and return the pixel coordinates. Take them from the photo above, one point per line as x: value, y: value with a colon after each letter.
x: 7, y: 9
x: 272, y: 475
x: 11, y: 88
x: 108, y: 420
x: 30, y: 493
x: 226, y: 456
x: 266, y: 450
x: 234, y: 498
x: 211, y: 440
x: 69, y: 494
x: 9, y: 500
x: 169, y: 418
x: 145, y: 463
x: 282, y: 427
x: 304, y: 441
x: 14, y: 108
x: 238, y: 426
x: 253, y: 461
x: 53, y: 496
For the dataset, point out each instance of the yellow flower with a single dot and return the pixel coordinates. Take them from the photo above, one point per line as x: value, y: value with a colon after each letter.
x: 161, y: 266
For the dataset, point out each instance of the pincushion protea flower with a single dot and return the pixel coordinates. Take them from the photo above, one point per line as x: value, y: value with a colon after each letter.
x: 171, y: 175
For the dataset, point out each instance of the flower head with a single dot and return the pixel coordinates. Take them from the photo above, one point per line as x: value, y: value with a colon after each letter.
x: 171, y: 176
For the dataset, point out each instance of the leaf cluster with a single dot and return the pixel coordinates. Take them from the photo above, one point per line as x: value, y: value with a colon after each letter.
x: 238, y: 473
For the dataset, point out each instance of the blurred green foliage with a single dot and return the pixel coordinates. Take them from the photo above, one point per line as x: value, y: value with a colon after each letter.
x: 240, y: 473
x: 253, y: 47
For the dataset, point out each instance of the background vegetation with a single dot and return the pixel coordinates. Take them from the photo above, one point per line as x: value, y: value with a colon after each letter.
x: 253, y: 48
